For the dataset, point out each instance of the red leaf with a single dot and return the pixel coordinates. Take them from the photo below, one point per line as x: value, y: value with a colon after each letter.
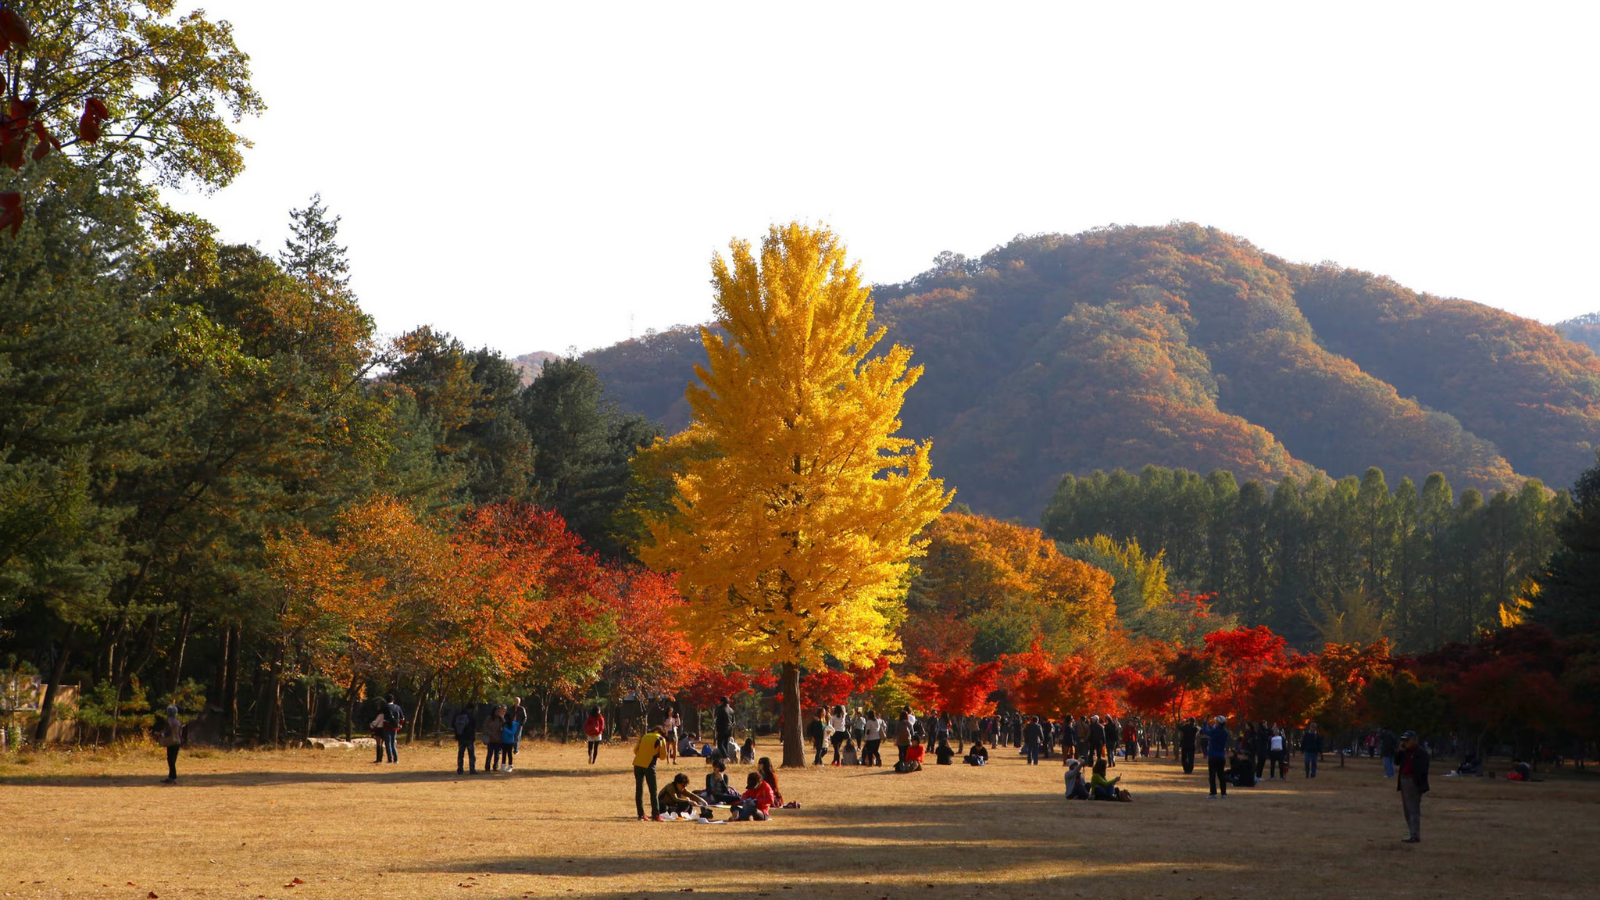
x: 97, y: 108
x: 89, y: 128
x: 152, y: 895
x: 13, y: 28
x: 11, y: 148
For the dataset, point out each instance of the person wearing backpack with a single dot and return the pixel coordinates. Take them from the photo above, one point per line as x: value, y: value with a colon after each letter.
x: 393, y: 720
x: 466, y: 732
x: 172, y: 739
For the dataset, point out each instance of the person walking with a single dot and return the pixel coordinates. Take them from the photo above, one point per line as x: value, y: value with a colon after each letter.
x: 466, y: 731
x: 172, y: 739
x: 1311, y: 749
x: 1263, y: 748
x: 652, y: 749
x: 1277, y: 756
x: 1113, y: 737
x: 1217, y: 756
x: 1187, y: 733
x: 1069, y: 740
x: 594, y: 730
x: 722, y: 724
x: 1387, y: 745
x: 1032, y: 737
x: 672, y: 724
x: 493, y: 732
x: 393, y: 718
x: 517, y: 722
x: 1413, y: 783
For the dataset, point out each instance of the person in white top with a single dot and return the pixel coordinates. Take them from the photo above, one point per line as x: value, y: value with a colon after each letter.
x: 1277, y: 756
x: 672, y: 723
x: 839, y: 728
x: 872, y: 739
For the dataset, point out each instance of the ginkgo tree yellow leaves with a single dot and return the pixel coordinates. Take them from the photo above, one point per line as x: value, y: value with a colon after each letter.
x: 795, y: 514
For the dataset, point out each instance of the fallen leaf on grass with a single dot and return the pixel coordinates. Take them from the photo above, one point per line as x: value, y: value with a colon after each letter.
x: 151, y: 895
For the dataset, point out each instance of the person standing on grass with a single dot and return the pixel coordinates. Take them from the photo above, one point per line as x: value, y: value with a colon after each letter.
x: 493, y: 731
x: 517, y: 721
x: 1277, y: 756
x: 722, y: 723
x: 1187, y: 733
x: 1217, y: 755
x: 858, y: 728
x: 1032, y: 737
x: 172, y: 739
x: 1130, y: 741
x: 1413, y: 783
x: 839, y: 726
x: 672, y: 724
x: 902, y: 735
x: 466, y: 731
x: 1113, y: 737
x: 594, y: 729
x: 1387, y: 745
x: 1097, y: 738
x: 1069, y: 740
x: 872, y: 739
x: 652, y: 749
x: 1311, y: 749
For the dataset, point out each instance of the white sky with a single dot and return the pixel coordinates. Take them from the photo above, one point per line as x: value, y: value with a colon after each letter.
x: 538, y: 176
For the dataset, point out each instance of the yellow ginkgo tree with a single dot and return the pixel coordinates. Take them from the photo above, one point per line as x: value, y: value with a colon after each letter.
x: 796, y: 509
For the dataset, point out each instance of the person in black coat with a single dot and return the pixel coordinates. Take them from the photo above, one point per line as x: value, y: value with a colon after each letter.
x: 1186, y: 739
x: 1097, y: 737
x: 1113, y: 737
x: 1411, y: 765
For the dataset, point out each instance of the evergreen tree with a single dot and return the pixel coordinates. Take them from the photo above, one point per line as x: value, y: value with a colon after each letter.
x: 1569, y: 597
x: 312, y: 251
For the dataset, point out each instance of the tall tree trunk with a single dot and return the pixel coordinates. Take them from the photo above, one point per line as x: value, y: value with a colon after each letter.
x: 310, y: 707
x: 794, y: 748
x: 230, y: 686
x: 47, y: 706
x: 350, y: 720
x: 275, y: 699
x: 176, y: 676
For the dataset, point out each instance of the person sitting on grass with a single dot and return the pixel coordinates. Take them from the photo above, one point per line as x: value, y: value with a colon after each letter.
x: 1102, y: 788
x: 677, y: 798
x: 1077, y: 788
x: 717, y: 788
x: 944, y: 755
x: 686, y: 745
x: 770, y: 778
x: 757, y: 801
x: 977, y: 755
x: 747, y: 753
x: 848, y: 756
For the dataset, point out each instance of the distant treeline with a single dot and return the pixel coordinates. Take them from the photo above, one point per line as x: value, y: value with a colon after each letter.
x: 1319, y: 560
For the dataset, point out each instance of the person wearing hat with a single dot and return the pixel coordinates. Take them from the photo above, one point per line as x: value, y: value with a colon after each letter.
x: 1077, y: 788
x: 1411, y: 764
x: 1217, y: 755
x: 172, y: 739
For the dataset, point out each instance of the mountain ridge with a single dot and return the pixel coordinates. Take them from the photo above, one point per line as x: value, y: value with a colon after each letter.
x: 1185, y: 346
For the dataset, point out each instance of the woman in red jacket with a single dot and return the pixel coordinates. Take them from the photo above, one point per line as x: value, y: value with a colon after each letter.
x: 594, y: 728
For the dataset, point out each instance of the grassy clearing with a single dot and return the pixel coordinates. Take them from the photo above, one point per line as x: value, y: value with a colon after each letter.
x: 247, y: 824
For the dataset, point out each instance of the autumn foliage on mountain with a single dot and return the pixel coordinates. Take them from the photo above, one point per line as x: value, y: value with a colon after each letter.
x: 1186, y: 347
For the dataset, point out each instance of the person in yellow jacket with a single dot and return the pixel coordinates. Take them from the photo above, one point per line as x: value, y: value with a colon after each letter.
x: 652, y: 748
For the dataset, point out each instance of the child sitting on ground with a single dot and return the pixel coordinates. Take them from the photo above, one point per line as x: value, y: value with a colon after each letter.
x: 717, y: 787
x: 757, y: 801
x: 849, y: 756
x: 676, y: 798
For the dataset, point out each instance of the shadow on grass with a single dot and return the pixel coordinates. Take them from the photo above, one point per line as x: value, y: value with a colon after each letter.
x: 377, y: 774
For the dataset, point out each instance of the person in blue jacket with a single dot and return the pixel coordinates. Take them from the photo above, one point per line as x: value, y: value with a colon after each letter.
x: 1217, y: 755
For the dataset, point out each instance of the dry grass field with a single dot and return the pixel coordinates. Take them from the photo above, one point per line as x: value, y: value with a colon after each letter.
x: 330, y: 824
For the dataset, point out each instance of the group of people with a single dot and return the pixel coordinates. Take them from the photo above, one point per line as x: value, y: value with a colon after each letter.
x: 501, y: 731
x: 760, y: 796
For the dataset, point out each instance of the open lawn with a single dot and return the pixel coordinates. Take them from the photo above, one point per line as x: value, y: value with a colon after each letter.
x: 248, y: 824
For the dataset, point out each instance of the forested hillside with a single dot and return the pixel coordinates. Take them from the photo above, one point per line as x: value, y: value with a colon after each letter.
x: 1183, y: 346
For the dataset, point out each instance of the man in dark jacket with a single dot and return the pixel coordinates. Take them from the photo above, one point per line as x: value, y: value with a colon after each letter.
x: 1097, y: 738
x: 1217, y: 755
x: 1413, y: 783
x: 1387, y: 745
x: 723, y: 722
x: 1311, y: 749
x: 1187, y: 733
x: 466, y: 730
x: 1032, y: 737
x: 1113, y: 736
x: 393, y: 718
x: 1262, y: 748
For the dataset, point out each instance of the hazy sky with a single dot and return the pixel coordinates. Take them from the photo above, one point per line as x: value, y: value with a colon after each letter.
x: 533, y: 175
